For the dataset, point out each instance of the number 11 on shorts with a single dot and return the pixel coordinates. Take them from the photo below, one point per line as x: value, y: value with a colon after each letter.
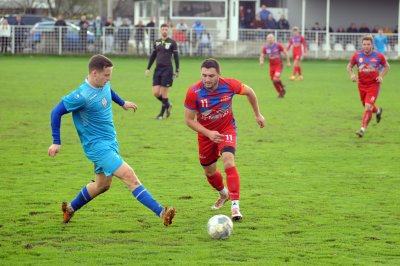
x: 228, y: 138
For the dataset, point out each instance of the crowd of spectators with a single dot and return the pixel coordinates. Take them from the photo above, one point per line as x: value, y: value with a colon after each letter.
x: 115, y: 39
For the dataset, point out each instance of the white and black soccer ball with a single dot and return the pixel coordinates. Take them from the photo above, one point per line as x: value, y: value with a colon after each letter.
x: 220, y: 227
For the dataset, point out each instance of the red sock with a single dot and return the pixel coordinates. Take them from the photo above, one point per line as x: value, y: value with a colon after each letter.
x: 374, y: 109
x: 277, y: 87
x: 216, y: 181
x: 299, y: 70
x: 294, y: 70
x: 366, y: 118
x: 233, y: 182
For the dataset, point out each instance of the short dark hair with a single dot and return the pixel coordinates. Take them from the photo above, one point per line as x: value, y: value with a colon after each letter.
x: 164, y: 25
x: 99, y: 62
x: 211, y: 63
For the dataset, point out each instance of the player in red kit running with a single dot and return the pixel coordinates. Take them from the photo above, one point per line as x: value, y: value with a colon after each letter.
x: 298, y: 52
x: 370, y: 78
x: 209, y: 112
x: 273, y: 51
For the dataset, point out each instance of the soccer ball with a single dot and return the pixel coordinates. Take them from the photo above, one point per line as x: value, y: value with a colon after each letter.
x: 220, y: 227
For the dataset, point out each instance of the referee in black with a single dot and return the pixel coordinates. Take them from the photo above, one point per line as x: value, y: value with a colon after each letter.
x: 163, y: 76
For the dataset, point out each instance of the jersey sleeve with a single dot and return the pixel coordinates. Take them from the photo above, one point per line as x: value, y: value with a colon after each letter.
x: 289, y: 44
x: 281, y: 49
x: 353, y: 60
x: 191, y: 100
x: 303, y: 41
x: 382, y: 59
x: 73, y: 101
x: 236, y: 86
x: 264, y: 50
x: 174, y: 46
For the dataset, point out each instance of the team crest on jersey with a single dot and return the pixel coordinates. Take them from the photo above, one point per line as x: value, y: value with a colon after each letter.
x: 360, y: 60
x: 167, y: 45
x: 104, y: 102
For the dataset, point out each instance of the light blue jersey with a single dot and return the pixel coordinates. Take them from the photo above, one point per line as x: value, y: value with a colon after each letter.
x: 380, y: 42
x: 92, y: 114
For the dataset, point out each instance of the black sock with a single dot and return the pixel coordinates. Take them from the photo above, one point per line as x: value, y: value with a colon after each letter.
x: 165, y: 105
x: 159, y: 98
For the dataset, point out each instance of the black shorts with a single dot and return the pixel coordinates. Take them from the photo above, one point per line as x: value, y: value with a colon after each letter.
x: 163, y: 76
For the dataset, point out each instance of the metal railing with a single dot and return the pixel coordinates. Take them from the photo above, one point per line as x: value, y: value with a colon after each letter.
x: 47, y: 39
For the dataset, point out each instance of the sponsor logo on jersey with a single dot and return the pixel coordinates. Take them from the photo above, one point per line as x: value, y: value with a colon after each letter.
x: 104, y: 102
x: 360, y: 60
x: 225, y: 99
x: 210, y: 115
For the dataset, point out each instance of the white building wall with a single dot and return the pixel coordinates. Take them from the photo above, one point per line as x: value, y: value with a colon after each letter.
x: 344, y: 12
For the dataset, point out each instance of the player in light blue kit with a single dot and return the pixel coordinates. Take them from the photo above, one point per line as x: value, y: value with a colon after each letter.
x: 90, y: 105
x: 381, y: 42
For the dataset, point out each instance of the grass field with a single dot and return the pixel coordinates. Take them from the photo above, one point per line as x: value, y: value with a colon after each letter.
x: 312, y: 193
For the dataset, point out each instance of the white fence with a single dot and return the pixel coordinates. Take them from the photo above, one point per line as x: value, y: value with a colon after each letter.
x: 212, y: 42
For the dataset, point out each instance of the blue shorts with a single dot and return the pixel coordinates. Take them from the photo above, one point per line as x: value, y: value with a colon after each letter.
x: 108, y: 162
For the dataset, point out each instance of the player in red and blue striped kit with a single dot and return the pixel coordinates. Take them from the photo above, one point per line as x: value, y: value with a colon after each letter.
x: 210, y: 101
x: 299, y: 51
x: 273, y: 51
x: 370, y: 78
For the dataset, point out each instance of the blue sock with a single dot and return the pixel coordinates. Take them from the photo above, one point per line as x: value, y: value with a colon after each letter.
x: 144, y: 197
x: 81, y: 199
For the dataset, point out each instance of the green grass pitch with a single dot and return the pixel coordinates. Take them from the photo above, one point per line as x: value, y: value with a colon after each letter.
x: 312, y: 193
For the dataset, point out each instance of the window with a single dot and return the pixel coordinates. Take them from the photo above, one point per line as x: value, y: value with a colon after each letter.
x: 198, y: 9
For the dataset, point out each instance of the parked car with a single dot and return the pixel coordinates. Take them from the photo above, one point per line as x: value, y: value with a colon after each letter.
x: 28, y: 20
x: 71, y: 39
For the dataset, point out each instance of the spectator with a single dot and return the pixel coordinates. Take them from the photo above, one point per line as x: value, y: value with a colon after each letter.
x: 341, y: 29
x: 364, y: 28
x: 139, y: 37
x: 60, y: 27
x: 316, y: 26
x: 264, y: 13
x: 151, y: 31
x: 341, y: 37
x: 352, y: 28
x: 258, y: 23
x: 387, y: 30
x: 98, y: 32
x: 205, y: 42
x: 248, y: 18
x: 124, y: 33
x: 180, y: 36
x: 241, y: 17
x: 109, y: 32
x: 375, y: 29
x: 283, y: 23
x: 182, y: 26
x: 259, y: 27
x: 83, y: 25
x: 5, y: 34
x: 198, y: 29
x: 271, y: 23
x: 19, y: 31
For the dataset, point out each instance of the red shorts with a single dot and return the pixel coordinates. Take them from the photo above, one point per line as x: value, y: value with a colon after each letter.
x: 275, y: 71
x: 369, y: 96
x: 297, y: 56
x: 209, y: 151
